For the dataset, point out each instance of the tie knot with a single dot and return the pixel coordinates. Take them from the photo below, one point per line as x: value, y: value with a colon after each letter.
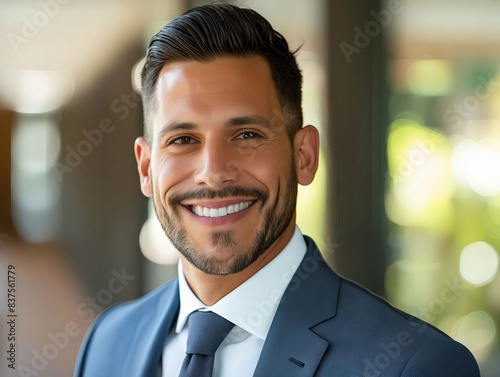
x: 206, y: 332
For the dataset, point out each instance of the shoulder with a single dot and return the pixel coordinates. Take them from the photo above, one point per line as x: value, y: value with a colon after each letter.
x: 441, y: 357
x: 394, y: 340
x: 145, y: 307
x: 370, y: 337
x: 424, y: 349
x: 117, y: 330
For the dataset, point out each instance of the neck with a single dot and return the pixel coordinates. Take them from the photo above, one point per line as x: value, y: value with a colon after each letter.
x: 211, y: 288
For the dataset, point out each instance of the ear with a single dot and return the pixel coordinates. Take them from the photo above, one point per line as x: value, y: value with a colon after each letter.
x: 143, y: 157
x: 306, y: 144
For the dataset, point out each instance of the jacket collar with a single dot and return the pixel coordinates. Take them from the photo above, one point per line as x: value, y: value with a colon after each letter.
x: 292, y: 348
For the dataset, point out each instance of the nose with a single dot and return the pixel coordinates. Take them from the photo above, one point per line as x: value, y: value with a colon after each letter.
x: 217, y: 166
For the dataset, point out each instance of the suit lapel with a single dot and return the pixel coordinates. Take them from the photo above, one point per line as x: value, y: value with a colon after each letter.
x: 292, y: 348
x: 152, y: 328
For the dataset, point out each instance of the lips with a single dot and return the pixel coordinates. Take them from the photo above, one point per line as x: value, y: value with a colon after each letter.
x: 220, y: 212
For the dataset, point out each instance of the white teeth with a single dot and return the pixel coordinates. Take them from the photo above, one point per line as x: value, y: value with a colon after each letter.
x: 219, y: 212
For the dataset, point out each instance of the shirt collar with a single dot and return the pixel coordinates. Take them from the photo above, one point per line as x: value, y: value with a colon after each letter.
x: 252, y: 305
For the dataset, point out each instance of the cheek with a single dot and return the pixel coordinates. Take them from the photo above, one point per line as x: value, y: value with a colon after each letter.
x: 268, y: 169
x: 169, y: 173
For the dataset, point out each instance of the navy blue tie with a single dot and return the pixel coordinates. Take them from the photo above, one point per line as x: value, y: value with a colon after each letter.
x: 206, y: 332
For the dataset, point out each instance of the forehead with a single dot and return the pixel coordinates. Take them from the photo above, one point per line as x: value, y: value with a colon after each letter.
x: 223, y: 82
x: 223, y: 70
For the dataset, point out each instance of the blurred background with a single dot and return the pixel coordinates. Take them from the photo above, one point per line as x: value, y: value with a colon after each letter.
x: 406, y: 95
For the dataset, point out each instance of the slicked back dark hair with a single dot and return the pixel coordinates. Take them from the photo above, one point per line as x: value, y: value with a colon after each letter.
x: 223, y: 30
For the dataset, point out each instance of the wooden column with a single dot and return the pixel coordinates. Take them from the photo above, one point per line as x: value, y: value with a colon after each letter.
x: 356, y: 138
x: 103, y: 208
x: 6, y: 227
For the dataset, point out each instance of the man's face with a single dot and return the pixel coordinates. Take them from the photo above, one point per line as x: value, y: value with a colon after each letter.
x: 220, y: 165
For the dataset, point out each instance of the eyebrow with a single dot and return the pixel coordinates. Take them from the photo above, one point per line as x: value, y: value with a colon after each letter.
x: 248, y: 119
x: 233, y: 122
x: 175, y: 126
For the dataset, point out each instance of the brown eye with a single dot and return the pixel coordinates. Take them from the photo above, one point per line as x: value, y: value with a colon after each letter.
x: 183, y: 140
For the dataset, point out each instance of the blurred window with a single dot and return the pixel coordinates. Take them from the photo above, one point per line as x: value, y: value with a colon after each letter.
x: 443, y: 187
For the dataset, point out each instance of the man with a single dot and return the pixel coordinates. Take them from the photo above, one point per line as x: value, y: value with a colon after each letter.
x: 223, y: 152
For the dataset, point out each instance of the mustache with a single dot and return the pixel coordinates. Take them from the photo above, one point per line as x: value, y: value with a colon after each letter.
x: 226, y: 192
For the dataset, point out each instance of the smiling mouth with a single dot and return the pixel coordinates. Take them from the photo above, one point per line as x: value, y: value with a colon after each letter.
x: 220, y: 212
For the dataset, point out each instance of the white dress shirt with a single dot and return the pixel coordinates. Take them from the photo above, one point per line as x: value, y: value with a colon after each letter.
x: 251, y: 307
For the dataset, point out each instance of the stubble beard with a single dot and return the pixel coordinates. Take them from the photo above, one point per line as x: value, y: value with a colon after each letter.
x: 276, y: 219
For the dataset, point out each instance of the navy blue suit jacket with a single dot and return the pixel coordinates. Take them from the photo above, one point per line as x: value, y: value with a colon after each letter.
x: 324, y: 326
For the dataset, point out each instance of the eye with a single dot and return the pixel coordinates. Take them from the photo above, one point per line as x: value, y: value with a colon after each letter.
x: 183, y: 140
x: 249, y: 135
